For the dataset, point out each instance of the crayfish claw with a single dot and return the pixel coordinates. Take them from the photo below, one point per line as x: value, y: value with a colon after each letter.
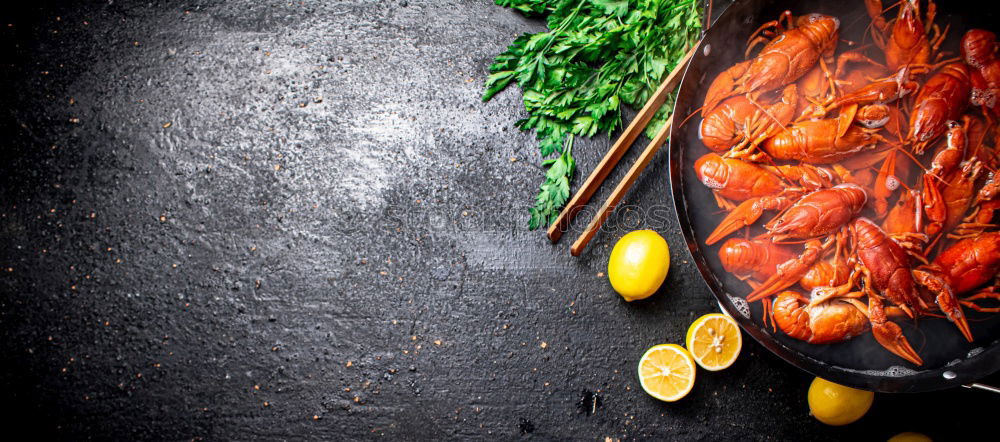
x: 951, y: 307
x: 890, y: 336
x: 946, y: 300
x: 743, y: 215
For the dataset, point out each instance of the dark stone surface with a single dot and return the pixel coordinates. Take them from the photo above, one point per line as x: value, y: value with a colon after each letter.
x: 296, y: 220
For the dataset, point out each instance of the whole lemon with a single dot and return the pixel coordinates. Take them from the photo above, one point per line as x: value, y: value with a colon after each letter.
x: 835, y: 404
x: 910, y: 436
x: 638, y: 264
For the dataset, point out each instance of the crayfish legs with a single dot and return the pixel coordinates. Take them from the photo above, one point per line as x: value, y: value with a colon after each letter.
x: 807, y: 175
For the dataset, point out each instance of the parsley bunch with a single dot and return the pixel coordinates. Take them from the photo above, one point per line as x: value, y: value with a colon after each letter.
x: 596, y: 56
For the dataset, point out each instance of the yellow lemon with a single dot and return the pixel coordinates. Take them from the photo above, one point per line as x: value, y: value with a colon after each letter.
x: 666, y: 372
x: 910, y: 436
x: 638, y: 264
x: 714, y: 341
x: 835, y: 404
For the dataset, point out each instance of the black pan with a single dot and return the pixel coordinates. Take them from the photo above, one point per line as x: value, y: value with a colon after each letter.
x: 948, y: 359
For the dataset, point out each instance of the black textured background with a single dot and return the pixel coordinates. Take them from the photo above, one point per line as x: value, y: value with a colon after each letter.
x: 296, y: 220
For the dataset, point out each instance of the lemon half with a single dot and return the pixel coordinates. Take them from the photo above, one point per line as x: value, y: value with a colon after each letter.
x: 714, y: 341
x: 666, y: 372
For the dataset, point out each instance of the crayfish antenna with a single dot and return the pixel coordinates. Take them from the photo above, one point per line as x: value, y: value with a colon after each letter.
x: 695, y: 112
x: 913, y: 158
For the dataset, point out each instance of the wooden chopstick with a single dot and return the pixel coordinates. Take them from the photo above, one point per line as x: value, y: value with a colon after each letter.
x: 610, y: 160
x: 621, y: 189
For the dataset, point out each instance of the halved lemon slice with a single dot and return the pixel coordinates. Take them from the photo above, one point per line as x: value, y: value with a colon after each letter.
x: 714, y: 341
x: 666, y: 372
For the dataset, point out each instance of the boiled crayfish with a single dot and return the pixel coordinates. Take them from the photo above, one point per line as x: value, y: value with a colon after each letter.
x: 881, y: 175
x: 783, y: 60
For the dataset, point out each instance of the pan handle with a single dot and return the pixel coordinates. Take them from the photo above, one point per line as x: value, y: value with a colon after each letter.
x: 989, y: 388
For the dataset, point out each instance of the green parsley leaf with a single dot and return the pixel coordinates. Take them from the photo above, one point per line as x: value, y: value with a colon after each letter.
x: 574, y: 78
